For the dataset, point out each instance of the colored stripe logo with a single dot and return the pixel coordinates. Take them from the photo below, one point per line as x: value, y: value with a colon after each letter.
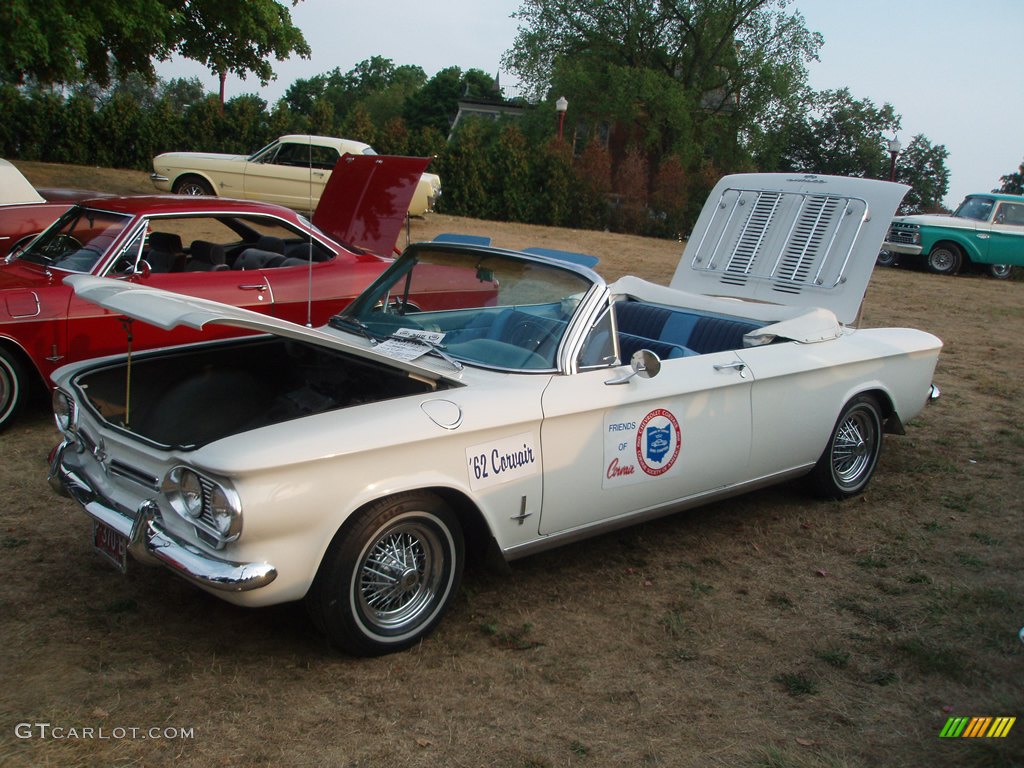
x: 977, y: 727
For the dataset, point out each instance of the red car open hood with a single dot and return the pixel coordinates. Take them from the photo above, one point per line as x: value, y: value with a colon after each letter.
x: 366, y: 200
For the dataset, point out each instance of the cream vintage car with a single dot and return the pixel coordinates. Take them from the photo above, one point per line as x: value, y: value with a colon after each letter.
x: 290, y: 171
x: 354, y: 466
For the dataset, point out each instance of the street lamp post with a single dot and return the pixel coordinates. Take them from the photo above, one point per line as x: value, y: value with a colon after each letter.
x: 561, y: 106
x: 894, y: 149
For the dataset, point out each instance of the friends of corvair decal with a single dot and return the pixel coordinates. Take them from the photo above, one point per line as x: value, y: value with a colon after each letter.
x: 502, y: 461
x: 640, y: 445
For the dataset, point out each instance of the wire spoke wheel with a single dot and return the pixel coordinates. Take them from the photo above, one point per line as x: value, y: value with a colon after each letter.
x: 851, y: 455
x: 400, y: 577
x: 853, y: 448
x: 389, y: 575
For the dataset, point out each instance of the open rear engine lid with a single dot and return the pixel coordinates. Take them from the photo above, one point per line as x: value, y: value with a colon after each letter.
x: 799, y: 240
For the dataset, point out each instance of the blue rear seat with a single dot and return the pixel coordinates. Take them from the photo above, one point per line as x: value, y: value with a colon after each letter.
x: 676, y: 334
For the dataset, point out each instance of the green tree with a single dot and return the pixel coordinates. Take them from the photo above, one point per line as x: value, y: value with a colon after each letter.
x: 922, y: 165
x: 436, y: 103
x: 1012, y: 183
x: 843, y: 136
x: 673, y: 76
x: 393, y: 137
x: 358, y: 126
x: 69, y: 41
x: 465, y: 171
x: 593, y: 172
x: 376, y: 83
x: 511, y: 192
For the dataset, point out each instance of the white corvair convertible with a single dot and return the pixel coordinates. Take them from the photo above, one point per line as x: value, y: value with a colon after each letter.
x: 524, y: 405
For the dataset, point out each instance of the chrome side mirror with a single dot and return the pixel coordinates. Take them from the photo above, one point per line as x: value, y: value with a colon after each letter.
x: 644, y: 364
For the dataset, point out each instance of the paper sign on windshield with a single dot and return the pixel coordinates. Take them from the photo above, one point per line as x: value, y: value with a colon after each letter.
x: 409, y: 350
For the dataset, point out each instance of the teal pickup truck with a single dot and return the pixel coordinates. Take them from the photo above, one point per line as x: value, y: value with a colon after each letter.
x: 985, y: 233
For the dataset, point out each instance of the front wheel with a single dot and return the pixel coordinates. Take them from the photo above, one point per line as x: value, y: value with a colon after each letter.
x: 886, y: 259
x: 945, y: 259
x: 192, y: 185
x: 1000, y: 271
x: 389, y: 577
x: 851, y: 455
x: 12, y: 387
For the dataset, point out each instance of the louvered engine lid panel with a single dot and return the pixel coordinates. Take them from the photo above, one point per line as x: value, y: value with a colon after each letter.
x: 784, y: 239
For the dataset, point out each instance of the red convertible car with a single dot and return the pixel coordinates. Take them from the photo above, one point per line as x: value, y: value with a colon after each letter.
x: 26, y: 211
x: 253, y: 255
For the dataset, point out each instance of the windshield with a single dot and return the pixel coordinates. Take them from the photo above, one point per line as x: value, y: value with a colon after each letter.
x: 481, y: 307
x: 977, y: 208
x: 77, y: 240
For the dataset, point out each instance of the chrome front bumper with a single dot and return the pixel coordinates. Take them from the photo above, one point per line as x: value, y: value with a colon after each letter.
x: 155, y: 177
x: 148, y: 542
x: 904, y: 248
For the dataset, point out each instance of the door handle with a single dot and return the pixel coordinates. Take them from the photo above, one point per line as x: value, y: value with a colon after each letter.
x: 254, y: 287
x: 735, y: 365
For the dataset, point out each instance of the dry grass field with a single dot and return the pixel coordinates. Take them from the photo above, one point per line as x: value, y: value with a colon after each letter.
x: 769, y: 631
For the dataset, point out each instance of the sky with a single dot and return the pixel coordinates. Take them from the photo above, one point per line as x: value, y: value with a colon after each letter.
x: 947, y: 66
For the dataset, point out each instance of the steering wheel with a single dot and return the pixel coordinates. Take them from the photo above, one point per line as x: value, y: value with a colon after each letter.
x: 530, y: 335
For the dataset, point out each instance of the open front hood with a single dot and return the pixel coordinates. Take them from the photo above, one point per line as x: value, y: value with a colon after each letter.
x: 367, y: 198
x: 168, y: 310
x: 785, y: 238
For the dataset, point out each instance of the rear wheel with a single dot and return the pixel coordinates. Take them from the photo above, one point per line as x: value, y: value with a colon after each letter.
x: 389, y: 577
x: 192, y: 185
x: 12, y: 387
x: 945, y: 259
x: 1000, y: 271
x: 851, y: 455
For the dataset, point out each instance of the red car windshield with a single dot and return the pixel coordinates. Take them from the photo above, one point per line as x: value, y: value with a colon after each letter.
x: 77, y: 240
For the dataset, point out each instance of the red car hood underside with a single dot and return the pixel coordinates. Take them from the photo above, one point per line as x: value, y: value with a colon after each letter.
x: 367, y: 198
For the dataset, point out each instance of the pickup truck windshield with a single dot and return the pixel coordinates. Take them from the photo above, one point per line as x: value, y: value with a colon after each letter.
x: 977, y: 208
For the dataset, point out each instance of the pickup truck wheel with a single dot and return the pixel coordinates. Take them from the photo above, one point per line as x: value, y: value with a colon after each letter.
x: 1000, y: 271
x: 886, y: 259
x: 387, y: 579
x: 192, y: 185
x: 945, y: 259
x: 12, y: 382
x: 851, y: 455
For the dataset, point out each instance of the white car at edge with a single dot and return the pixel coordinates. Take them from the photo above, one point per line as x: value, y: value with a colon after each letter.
x: 290, y: 171
x: 356, y: 465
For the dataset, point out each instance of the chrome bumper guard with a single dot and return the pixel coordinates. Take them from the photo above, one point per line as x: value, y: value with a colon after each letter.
x: 908, y: 250
x: 149, y: 543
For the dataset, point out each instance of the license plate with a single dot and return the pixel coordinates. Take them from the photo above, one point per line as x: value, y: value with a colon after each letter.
x: 111, y: 545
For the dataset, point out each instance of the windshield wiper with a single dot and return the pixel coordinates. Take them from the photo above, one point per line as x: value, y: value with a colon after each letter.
x: 347, y: 322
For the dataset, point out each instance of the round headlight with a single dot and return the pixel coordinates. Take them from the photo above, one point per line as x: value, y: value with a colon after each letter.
x: 63, y: 410
x: 222, y: 510
x: 191, y: 490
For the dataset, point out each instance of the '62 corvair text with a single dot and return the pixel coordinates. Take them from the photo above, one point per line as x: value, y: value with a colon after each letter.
x: 355, y: 465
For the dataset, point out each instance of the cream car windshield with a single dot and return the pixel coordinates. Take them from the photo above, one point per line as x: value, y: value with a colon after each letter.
x: 485, y: 308
x: 77, y: 240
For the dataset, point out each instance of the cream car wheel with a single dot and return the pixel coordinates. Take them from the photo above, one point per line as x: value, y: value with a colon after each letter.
x: 390, y: 576
x: 851, y: 455
x: 192, y: 185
